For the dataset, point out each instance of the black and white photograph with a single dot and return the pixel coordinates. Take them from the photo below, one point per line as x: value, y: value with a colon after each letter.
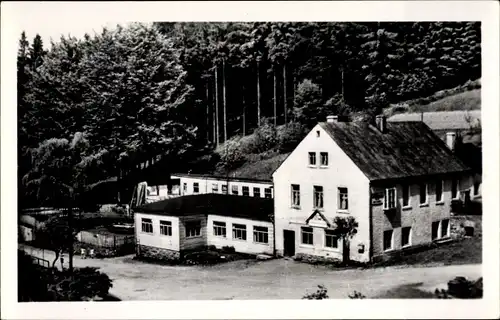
x: 250, y: 159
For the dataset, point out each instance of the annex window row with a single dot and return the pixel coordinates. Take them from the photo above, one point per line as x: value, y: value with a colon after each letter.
x: 239, y: 232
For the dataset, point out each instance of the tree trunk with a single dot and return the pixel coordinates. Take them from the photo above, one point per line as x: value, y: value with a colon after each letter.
x: 285, y: 102
x: 216, y: 106
x: 207, y: 128
x: 258, y: 93
x: 55, y: 260
x: 243, y: 116
x: 224, y: 97
x: 342, y: 82
x: 345, y: 251
x: 119, y: 183
x: 70, y: 224
x: 275, y: 96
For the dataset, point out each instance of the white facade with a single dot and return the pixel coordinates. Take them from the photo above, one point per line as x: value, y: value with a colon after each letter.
x: 190, y: 185
x: 233, y: 234
x: 176, y: 240
x: 155, y: 238
x: 340, y: 172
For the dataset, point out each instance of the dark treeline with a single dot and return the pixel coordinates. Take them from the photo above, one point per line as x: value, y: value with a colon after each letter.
x: 181, y: 89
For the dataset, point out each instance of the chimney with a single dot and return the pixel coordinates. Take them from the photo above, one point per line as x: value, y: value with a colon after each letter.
x: 332, y: 119
x: 451, y: 139
x: 381, y: 123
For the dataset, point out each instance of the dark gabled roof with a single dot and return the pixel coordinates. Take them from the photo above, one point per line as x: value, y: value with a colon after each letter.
x: 253, y: 208
x: 219, y: 177
x: 406, y: 149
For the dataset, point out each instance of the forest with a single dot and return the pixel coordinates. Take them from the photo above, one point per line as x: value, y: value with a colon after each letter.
x: 181, y: 90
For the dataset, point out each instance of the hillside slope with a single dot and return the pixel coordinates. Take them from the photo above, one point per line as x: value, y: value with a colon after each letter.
x: 448, y: 112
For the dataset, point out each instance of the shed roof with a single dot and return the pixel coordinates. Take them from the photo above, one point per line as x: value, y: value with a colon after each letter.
x: 406, y: 149
x: 253, y: 208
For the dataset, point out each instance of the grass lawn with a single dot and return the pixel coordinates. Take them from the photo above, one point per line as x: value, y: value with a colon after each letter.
x: 468, y: 100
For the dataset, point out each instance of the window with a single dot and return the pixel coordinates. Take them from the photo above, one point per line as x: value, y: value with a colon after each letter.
x: 406, y: 195
x: 317, y: 133
x: 215, y: 187
x: 445, y: 228
x: 387, y: 240
x: 406, y: 236
x: 246, y: 191
x: 147, y: 225
x: 224, y: 188
x: 295, y: 195
x: 331, y: 240
x: 260, y: 234
x: 153, y: 191
x: 166, y: 228
x: 454, y: 189
x: 307, y: 235
x: 219, y: 229
x: 435, y: 230
x: 324, y: 158
x: 390, y: 198
x: 184, y: 187
x: 312, y: 158
x: 318, y: 197
x: 439, y: 191
x: 423, y: 193
x: 196, y: 187
x: 239, y: 231
x: 234, y: 190
x: 343, y: 200
x: 268, y: 193
x: 193, y: 229
x: 476, y: 188
x: 256, y: 192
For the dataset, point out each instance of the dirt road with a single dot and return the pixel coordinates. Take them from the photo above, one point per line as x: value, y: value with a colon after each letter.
x: 273, y: 279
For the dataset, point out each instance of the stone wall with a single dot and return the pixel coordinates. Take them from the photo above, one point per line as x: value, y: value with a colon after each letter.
x: 313, y: 258
x: 157, y: 253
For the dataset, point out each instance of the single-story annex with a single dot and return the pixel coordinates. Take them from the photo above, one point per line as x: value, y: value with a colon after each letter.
x: 170, y: 228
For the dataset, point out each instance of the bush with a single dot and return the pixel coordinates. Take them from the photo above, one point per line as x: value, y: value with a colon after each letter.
x: 462, y: 288
x: 228, y: 249
x: 202, y: 258
x: 211, y: 248
x: 357, y: 295
x: 289, y: 136
x: 320, y: 294
x: 230, y: 153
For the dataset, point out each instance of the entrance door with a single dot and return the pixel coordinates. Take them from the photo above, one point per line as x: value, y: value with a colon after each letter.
x: 289, y: 242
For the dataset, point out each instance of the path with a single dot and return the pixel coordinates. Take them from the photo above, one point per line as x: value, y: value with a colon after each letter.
x: 273, y: 279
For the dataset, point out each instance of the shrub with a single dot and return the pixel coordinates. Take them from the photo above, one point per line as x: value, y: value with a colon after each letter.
x: 211, y: 248
x: 264, y: 138
x: 203, y: 258
x: 230, y: 153
x: 320, y: 294
x: 228, y: 249
x: 462, y: 288
x: 289, y: 136
x: 357, y: 295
